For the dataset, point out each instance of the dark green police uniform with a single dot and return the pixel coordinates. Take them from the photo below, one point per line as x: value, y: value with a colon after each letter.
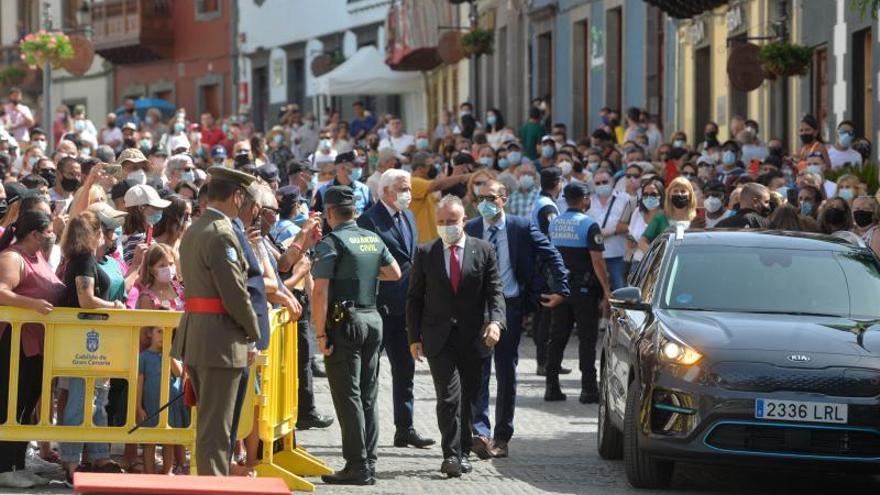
x: 350, y: 257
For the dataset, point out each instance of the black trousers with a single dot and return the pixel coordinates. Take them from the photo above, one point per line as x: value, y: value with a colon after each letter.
x: 583, y: 310
x: 30, y: 381
x: 305, y: 392
x: 457, y: 377
x: 403, y: 368
x: 541, y: 334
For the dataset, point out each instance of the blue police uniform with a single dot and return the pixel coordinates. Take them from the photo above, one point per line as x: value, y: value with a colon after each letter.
x: 544, y: 210
x: 576, y: 235
x: 362, y: 199
x: 539, y: 219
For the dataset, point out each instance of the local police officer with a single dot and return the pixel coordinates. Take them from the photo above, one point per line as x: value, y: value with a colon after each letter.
x: 579, y: 240
x: 349, y: 171
x: 350, y: 263
x: 219, y: 320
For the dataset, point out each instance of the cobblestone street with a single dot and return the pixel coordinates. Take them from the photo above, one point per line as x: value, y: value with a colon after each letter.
x: 553, y: 451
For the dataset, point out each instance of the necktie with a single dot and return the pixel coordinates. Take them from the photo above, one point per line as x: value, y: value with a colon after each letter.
x: 404, y: 231
x: 454, y: 268
x: 493, y: 236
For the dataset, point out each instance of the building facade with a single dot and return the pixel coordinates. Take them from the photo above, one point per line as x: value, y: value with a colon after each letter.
x: 178, y: 51
x: 278, y: 42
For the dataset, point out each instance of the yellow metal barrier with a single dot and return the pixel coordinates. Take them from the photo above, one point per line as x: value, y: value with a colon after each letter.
x: 92, y: 345
x: 278, y: 401
x: 99, y: 344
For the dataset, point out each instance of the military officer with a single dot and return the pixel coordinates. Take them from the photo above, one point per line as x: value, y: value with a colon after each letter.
x: 219, y: 321
x: 350, y: 263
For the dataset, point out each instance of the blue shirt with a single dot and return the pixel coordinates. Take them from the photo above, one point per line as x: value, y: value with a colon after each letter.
x: 283, y: 230
x: 357, y: 125
x: 505, y: 267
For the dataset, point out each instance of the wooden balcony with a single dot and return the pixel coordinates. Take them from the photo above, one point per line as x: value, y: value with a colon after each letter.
x: 133, y: 31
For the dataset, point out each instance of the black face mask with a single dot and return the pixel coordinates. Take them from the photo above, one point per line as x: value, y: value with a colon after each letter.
x: 49, y: 175
x: 129, y: 143
x: 3, y: 207
x: 111, y: 125
x: 433, y: 171
x: 863, y: 218
x: 807, y: 138
x: 680, y: 201
x: 776, y: 151
x: 69, y: 185
x: 835, y: 216
x: 711, y: 135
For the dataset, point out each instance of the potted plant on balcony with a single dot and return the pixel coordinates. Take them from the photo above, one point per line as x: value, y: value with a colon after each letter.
x: 477, y: 41
x: 43, y: 46
x: 785, y: 59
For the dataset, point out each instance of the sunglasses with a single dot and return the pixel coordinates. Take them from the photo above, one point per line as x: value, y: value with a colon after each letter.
x: 489, y: 197
x: 651, y: 195
x: 633, y: 176
x: 602, y: 182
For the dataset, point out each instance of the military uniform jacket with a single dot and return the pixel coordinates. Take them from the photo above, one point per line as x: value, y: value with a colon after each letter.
x: 214, y: 267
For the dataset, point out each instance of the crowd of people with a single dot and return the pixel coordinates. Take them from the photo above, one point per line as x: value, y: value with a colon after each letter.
x: 98, y: 219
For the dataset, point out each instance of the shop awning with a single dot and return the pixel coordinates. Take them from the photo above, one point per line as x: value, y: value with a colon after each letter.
x: 365, y: 73
x: 684, y: 9
x: 413, y: 29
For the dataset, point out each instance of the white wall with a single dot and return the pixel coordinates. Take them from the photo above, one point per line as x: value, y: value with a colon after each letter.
x: 94, y: 87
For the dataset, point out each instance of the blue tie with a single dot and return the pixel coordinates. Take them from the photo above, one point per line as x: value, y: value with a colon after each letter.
x: 404, y: 230
x: 493, y: 236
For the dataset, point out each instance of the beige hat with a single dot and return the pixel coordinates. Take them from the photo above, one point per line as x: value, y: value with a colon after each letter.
x: 144, y: 195
x: 132, y: 155
x: 110, y: 217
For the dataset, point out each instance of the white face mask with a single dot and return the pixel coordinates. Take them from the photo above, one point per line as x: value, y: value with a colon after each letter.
x: 137, y: 176
x: 450, y: 234
x: 565, y: 167
x: 712, y: 204
x: 403, y: 200
x: 165, y: 274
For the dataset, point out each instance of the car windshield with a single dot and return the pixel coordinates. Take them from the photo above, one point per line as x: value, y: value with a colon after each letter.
x: 764, y: 280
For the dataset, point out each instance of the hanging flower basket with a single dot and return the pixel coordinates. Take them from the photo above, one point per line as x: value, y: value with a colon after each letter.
x: 786, y: 59
x: 43, y: 46
x: 477, y: 42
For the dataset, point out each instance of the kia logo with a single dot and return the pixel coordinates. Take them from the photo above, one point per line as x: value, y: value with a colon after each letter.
x: 799, y: 358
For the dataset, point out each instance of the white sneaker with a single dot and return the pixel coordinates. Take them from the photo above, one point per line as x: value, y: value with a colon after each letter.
x: 37, y: 465
x: 15, y: 479
x: 37, y: 480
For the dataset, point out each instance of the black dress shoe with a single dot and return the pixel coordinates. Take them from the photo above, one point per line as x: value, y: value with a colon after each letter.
x: 318, y: 421
x: 451, y: 467
x: 358, y: 476
x: 553, y: 393
x: 564, y: 371
x: 589, y: 397
x: 405, y: 438
x: 466, y: 466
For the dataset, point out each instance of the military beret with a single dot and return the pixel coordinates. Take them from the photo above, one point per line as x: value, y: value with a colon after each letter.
x: 222, y: 173
x: 339, y: 196
x: 347, y: 157
x: 574, y: 191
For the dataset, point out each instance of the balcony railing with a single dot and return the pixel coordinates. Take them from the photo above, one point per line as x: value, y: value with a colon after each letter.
x: 131, y: 31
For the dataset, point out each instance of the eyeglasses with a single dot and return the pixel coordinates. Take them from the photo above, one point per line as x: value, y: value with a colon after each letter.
x: 602, y: 182
x: 650, y: 195
x: 479, y: 184
x: 269, y: 208
x: 633, y: 176
x: 489, y: 197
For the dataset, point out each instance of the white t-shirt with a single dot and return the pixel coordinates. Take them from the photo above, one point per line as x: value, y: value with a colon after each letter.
x: 841, y: 158
x: 109, y: 136
x: 615, y: 245
x: 710, y: 223
x: 400, y: 144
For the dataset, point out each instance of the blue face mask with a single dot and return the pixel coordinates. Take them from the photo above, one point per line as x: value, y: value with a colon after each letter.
x: 845, y: 194
x: 514, y: 156
x: 188, y: 176
x: 488, y: 209
x: 728, y: 158
x: 845, y: 138
x: 503, y: 163
x: 313, y: 183
x: 278, y: 138
x: 814, y: 169
x: 486, y: 161
x: 604, y: 190
x: 154, y: 218
x: 806, y: 208
x: 422, y: 143
x: 356, y: 173
x: 491, y: 120
x: 651, y: 202
x: 178, y: 127
x: 548, y: 151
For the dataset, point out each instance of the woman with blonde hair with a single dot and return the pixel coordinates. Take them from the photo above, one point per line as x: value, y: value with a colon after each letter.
x: 680, y: 208
x: 848, y: 188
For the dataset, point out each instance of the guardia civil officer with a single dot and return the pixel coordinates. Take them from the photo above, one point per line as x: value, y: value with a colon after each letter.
x: 219, y: 321
x: 350, y: 263
x: 579, y: 239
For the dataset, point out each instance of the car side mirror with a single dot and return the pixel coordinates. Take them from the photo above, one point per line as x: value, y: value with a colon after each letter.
x: 629, y: 298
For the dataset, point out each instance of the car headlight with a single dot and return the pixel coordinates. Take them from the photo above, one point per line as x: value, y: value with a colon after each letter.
x: 673, y: 349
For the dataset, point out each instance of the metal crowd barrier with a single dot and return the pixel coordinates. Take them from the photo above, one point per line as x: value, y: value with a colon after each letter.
x: 99, y: 344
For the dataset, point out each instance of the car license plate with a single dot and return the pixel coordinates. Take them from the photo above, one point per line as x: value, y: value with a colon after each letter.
x: 792, y: 410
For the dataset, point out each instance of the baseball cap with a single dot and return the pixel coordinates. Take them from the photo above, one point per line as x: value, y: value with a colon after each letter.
x: 268, y: 172
x: 339, y: 196
x: 144, y: 195
x: 130, y: 126
x: 132, y: 155
x: 218, y: 150
x: 347, y: 157
x: 109, y: 217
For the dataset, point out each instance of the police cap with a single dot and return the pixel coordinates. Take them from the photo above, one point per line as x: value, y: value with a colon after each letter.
x: 550, y: 176
x: 339, y: 196
x: 347, y: 157
x: 574, y: 191
x: 268, y: 172
x: 230, y: 175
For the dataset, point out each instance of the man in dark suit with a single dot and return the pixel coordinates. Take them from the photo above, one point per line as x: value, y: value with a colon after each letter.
x: 391, y: 221
x: 455, y: 316
x: 520, y: 247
